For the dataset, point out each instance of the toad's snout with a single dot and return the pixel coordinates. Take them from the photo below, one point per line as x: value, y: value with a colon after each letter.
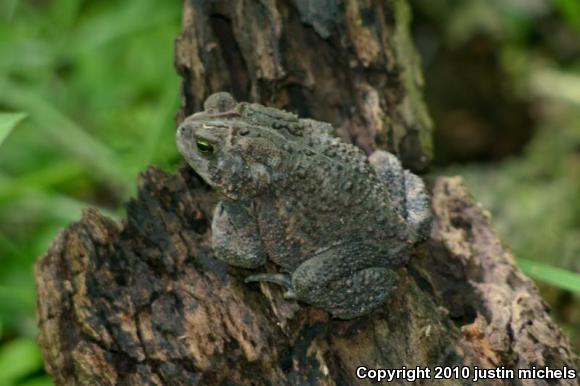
x: 185, y: 136
x: 186, y: 131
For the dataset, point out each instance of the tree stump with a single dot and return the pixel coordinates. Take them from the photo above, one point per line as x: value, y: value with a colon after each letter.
x: 143, y: 301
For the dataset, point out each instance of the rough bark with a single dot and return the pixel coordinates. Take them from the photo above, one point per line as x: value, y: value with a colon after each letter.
x: 143, y: 301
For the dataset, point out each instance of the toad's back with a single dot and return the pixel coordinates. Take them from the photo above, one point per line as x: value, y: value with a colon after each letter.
x: 328, y: 194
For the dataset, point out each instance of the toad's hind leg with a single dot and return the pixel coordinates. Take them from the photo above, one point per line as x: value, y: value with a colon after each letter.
x: 407, y: 192
x: 343, y: 284
x: 417, y: 205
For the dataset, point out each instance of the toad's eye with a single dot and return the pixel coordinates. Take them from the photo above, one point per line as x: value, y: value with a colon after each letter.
x: 204, y: 147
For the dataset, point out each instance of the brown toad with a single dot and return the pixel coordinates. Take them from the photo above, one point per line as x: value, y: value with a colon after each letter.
x: 335, y: 222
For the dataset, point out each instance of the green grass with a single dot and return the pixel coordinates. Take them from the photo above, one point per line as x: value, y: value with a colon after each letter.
x: 87, y: 96
x: 555, y: 276
x: 8, y: 122
x: 20, y: 359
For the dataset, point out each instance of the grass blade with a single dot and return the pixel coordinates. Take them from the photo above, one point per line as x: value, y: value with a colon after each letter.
x: 71, y: 137
x: 8, y: 122
x: 19, y: 358
x: 555, y: 276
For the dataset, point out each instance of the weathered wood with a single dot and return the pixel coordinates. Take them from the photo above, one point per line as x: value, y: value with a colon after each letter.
x: 143, y: 301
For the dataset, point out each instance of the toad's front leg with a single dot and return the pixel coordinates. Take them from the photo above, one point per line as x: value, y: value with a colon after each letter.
x: 235, y: 235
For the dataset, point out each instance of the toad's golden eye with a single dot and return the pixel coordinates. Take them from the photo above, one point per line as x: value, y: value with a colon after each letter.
x: 204, y: 147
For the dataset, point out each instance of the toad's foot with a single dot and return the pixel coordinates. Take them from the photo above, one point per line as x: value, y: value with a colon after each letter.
x: 276, y: 278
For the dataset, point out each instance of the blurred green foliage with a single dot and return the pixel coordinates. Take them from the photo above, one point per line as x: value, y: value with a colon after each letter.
x: 533, y: 49
x: 96, y: 83
x: 570, y: 10
x: 8, y: 122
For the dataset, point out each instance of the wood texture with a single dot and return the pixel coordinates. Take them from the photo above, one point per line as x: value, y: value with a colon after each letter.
x: 143, y: 301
